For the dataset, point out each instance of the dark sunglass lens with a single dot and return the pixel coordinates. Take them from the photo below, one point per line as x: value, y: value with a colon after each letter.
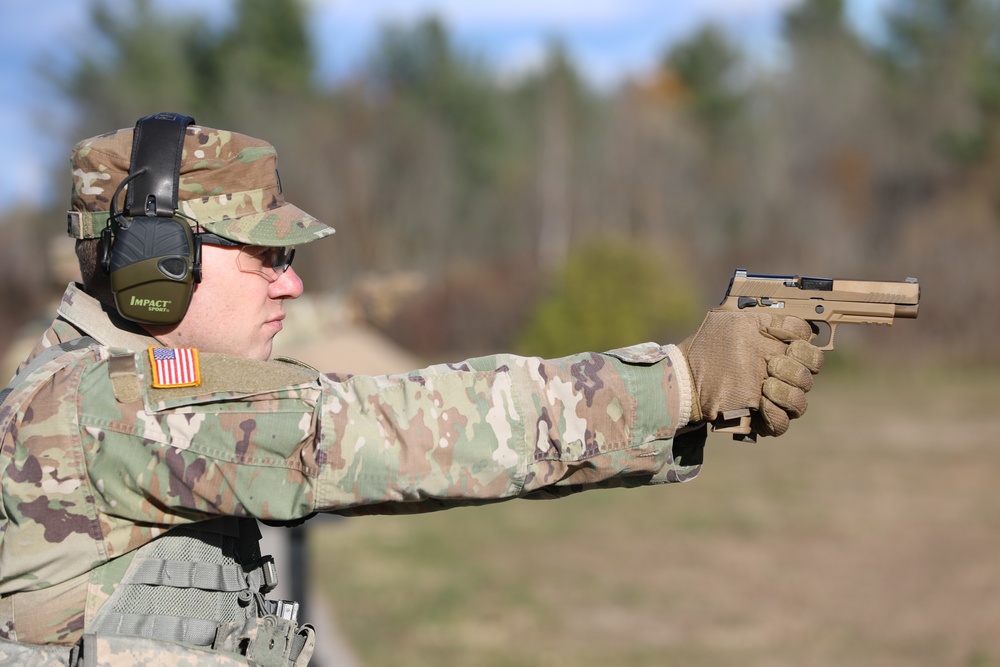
x: 283, y: 259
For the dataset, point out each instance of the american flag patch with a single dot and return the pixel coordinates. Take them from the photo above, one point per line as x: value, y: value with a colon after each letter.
x: 174, y: 367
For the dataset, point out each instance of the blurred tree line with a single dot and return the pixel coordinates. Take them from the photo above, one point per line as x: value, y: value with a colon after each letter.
x: 547, y: 215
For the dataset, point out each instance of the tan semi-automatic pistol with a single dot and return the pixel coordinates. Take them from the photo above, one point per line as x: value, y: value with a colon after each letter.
x: 825, y: 303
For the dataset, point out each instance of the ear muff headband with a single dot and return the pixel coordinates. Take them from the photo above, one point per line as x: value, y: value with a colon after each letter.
x: 152, y: 257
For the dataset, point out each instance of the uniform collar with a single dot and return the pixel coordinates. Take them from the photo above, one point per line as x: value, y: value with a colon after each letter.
x: 104, y: 324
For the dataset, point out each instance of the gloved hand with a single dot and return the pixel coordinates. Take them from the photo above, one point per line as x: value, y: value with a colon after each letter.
x: 752, y: 360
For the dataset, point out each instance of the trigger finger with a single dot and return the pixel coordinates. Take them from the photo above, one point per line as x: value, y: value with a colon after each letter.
x: 791, y: 328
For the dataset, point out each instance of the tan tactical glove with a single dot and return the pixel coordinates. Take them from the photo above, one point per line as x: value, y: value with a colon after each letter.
x: 752, y: 360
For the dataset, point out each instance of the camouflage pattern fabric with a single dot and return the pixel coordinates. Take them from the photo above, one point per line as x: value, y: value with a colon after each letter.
x: 96, y: 463
x: 118, y: 651
x: 114, y: 651
x: 211, y: 163
x: 25, y: 655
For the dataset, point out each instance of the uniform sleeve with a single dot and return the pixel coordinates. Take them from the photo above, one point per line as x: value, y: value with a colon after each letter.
x: 502, y: 427
x: 276, y: 442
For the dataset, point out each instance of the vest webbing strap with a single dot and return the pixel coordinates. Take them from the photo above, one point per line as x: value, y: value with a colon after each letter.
x: 195, y: 631
x: 186, y: 574
x: 298, y: 643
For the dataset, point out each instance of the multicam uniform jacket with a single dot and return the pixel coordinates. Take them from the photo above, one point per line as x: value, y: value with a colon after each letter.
x: 96, y: 463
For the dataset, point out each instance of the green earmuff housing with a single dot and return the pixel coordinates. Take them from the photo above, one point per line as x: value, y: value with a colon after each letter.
x: 152, y: 270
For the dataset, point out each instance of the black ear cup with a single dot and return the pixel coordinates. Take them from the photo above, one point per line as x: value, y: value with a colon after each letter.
x: 152, y: 267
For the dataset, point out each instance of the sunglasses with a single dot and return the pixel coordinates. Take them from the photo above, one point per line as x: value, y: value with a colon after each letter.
x: 267, y: 261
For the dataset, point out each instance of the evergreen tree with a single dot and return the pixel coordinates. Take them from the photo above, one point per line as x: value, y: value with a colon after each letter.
x: 708, y: 66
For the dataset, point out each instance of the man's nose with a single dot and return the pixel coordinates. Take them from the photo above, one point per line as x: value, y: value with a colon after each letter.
x: 287, y: 286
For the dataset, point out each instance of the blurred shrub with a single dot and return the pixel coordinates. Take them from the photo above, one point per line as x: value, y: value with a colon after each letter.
x: 471, y: 309
x: 611, y: 293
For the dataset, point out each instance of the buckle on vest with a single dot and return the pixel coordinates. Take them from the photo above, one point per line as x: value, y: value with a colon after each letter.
x: 270, y: 572
x: 286, y: 609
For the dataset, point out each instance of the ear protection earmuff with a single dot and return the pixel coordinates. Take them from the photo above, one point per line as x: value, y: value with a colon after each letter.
x: 152, y: 257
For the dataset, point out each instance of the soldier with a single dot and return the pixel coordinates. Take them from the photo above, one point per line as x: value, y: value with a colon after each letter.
x: 148, y: 431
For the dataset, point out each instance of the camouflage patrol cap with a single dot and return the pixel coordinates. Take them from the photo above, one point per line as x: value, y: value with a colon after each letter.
x: 228, y: 183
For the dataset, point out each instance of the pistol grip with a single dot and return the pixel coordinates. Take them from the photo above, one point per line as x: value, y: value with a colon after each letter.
x: 736, y: 422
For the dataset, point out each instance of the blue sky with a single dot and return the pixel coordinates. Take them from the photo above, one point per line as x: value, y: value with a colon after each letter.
x: 609, y: 39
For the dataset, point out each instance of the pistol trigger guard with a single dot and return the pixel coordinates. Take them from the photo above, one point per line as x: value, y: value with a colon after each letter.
x: 829, y: 343
x: 824, y: 332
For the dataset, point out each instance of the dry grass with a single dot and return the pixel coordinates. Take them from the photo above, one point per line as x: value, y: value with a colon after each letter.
x: 869, y: 535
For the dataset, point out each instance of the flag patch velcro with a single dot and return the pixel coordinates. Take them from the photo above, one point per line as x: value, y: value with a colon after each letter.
x: 174, y: 367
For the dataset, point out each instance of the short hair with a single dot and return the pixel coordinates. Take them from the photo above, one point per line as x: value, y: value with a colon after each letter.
x: 96, y: 282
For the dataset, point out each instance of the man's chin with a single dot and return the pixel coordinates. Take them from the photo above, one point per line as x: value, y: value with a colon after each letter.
x: 260, y: 352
